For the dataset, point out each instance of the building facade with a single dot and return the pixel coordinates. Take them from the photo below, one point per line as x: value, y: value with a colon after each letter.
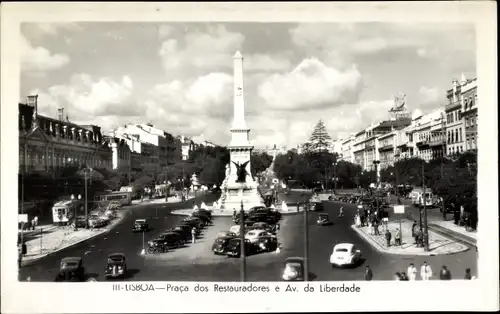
x: 50, y: 145
x: 347, y: 149
x: 468, y: 99
x: 454, y: 122
x: 121, y: 154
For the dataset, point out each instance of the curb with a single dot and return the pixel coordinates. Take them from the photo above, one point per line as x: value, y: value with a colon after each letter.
x: 30, y: 261
x: 458, y: 237
x: 184, y: 212
x: 383, y: 249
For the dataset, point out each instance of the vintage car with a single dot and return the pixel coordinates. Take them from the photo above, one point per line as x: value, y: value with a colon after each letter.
x: 191, y: 224
x: 235, y: 229
x: 345, y: 254
x: 199, y: 223
x: 165, y: 241
x: 226, y: 234
x: 254, y: 235
x: 116, y: 266
x: 71, y: 269
x: 220, y: 244
x: 233, y: 248
x: 140, y: 225
x: 267, y: 243
x: 323, y: 220
x: 80, y: 222
x: 294, y: 269
x: 183, y: 230
x: 95, y: 221
x: 203, y: 217
x: 317, y: 206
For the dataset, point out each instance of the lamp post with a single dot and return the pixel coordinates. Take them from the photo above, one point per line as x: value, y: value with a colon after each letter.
x: 86, y: 172
x: 426, y: 229
x: 376, y: 163
x: 306, y: 244
x: 243, y: 256
x: 334, y: 164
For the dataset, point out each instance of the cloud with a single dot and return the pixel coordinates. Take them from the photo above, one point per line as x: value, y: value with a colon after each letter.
x: 86, y: 99
x: 208, y: 50
x: 50, y: 29
x: 429, y: 95
x: 38, y: 60
x: 268, y: 63
x: 311, y: 85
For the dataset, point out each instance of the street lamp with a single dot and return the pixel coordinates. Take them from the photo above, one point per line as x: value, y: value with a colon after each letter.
x: 376, y: 163
x: 334, y: 164
x: 306, y: 244
x: 243, y: 256
x: 86, y: 171
x: 426, y: 229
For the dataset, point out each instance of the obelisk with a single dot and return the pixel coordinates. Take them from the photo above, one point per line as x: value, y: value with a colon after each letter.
x: 240, y: 150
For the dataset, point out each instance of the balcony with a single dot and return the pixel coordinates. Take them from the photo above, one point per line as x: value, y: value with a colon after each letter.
x: 422, y: 143
x: 453, y: 106
x: 386, y: 147
x: 370, y: 146
x: 437, y: 142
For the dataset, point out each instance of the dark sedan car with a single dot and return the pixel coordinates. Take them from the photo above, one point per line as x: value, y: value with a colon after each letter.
x: 171, y: 239
x: 203, y: 217
x: 183, y: 230
x: 266, y: 244
x: 116, y: 266
x: 199, y: 223
x: 71, y: 269
x: 233, y: 248
x: 140, y: 225
x: 220, y: 244
x: 191, y: 225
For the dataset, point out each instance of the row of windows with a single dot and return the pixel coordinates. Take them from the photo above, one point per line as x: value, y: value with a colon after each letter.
x: 453, y: 116
x: 471, y: 121
x: 454, y: 150
x: 469, y: 102
x: 455, y: 136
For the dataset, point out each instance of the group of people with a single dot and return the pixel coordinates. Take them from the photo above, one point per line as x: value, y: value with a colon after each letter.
x: 417, y: 234
x: 425, y: 273
x: 368, y: 218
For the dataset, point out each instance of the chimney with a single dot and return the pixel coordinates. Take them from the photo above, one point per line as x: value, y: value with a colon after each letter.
x: 463, y: 80
x: 33, y: 102
x: 454, y: 84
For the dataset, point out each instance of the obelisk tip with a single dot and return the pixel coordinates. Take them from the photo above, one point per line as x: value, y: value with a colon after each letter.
x: 238, y: 55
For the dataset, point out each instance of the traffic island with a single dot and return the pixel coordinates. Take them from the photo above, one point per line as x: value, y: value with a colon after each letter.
x: 292, y: 210
x: 48, y: 242
x: 438, y: 244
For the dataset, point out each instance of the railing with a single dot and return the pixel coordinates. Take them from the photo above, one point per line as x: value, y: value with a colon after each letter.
x: 452, y: 106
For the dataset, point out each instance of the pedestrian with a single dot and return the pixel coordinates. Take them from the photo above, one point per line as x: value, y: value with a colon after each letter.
x: 412, y: 272
x: 445, y: 273
x: 414, y: 231
x: 404, y: 277
x: 368, y: 273
x: 425, y: 271
x: 419, y: 238
x: 377, y: 224
x: 193, y: 234
x: 468, y: 275
x: 358, y: 220
x: 362, y: 218
x: 35, y: 222
x: 388, y: 237
x: 397, y: 239
x: 341, y: 211
x: 397, y: 276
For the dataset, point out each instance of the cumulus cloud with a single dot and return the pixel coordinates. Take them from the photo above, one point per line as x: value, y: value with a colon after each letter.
x: 429, y: 95
x: 202, y: 50
x: 263, y: 62
x: 38, y: 60
x: 311, y: 85
x: 50, y: 29
x: 85, y: 99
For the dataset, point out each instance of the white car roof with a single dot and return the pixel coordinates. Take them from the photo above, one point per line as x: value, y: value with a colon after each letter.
x: 140, y: 220
x: 343, y: 246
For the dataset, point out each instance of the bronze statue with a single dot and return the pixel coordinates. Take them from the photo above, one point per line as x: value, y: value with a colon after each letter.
x: 241, y: 171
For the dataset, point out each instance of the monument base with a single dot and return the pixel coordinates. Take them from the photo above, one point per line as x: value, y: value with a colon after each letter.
x: 232, y: 198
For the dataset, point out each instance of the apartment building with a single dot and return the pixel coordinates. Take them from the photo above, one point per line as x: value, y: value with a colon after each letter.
x: 455, y: 138
x: 468, y: 99
x: 347, y: 149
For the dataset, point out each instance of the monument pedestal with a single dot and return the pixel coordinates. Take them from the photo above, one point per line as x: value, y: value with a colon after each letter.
x: 233, y: 197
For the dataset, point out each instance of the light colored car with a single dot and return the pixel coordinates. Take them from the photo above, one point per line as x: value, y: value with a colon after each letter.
x: 254, y: 235
x: 235, y: 229
x: 345, y: 254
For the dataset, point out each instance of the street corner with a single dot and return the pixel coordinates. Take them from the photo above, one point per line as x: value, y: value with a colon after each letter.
x: 438, y: 245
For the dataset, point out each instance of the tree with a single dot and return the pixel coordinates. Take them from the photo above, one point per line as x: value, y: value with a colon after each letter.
x: 319, y: 139
x: 260, y: 162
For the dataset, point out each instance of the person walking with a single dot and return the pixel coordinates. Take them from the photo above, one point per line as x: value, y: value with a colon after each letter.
x: 445, y: 274
x: 468, y: 275
x: 376, y: 226
x: 425, y: 271
x: 388, y: 237
x: 412, y: 272
x: 414, y: 231
x: 368, y: 273
x: 193, y: 235
x: 341, y: 211
x: 397, y: 239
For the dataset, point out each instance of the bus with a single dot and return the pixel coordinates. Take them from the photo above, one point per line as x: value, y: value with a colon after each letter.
x: 64, y: 211
x: 124, y: 198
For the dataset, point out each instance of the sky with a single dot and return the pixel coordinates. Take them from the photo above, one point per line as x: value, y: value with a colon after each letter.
x: 178, y: 76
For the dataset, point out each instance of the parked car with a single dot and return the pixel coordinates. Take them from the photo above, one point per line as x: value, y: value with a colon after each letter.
x: 294, y: 269
x: 140, y: 225
x: 254, y: 235
x: 225, y: 234
x: 191, y: 224
x: 71, y: 269
x: 233, y: 248
x: 203, y: 217
x: 116, y: 266
x: 172, y: 239
x: 345, y: 254
x: 80, y: 222
x: 96, y: 222
x: 220, y: 244
x: 199, y: 223
x: 235, y: 229
x: 267, y: 243
x: 183, y: 231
